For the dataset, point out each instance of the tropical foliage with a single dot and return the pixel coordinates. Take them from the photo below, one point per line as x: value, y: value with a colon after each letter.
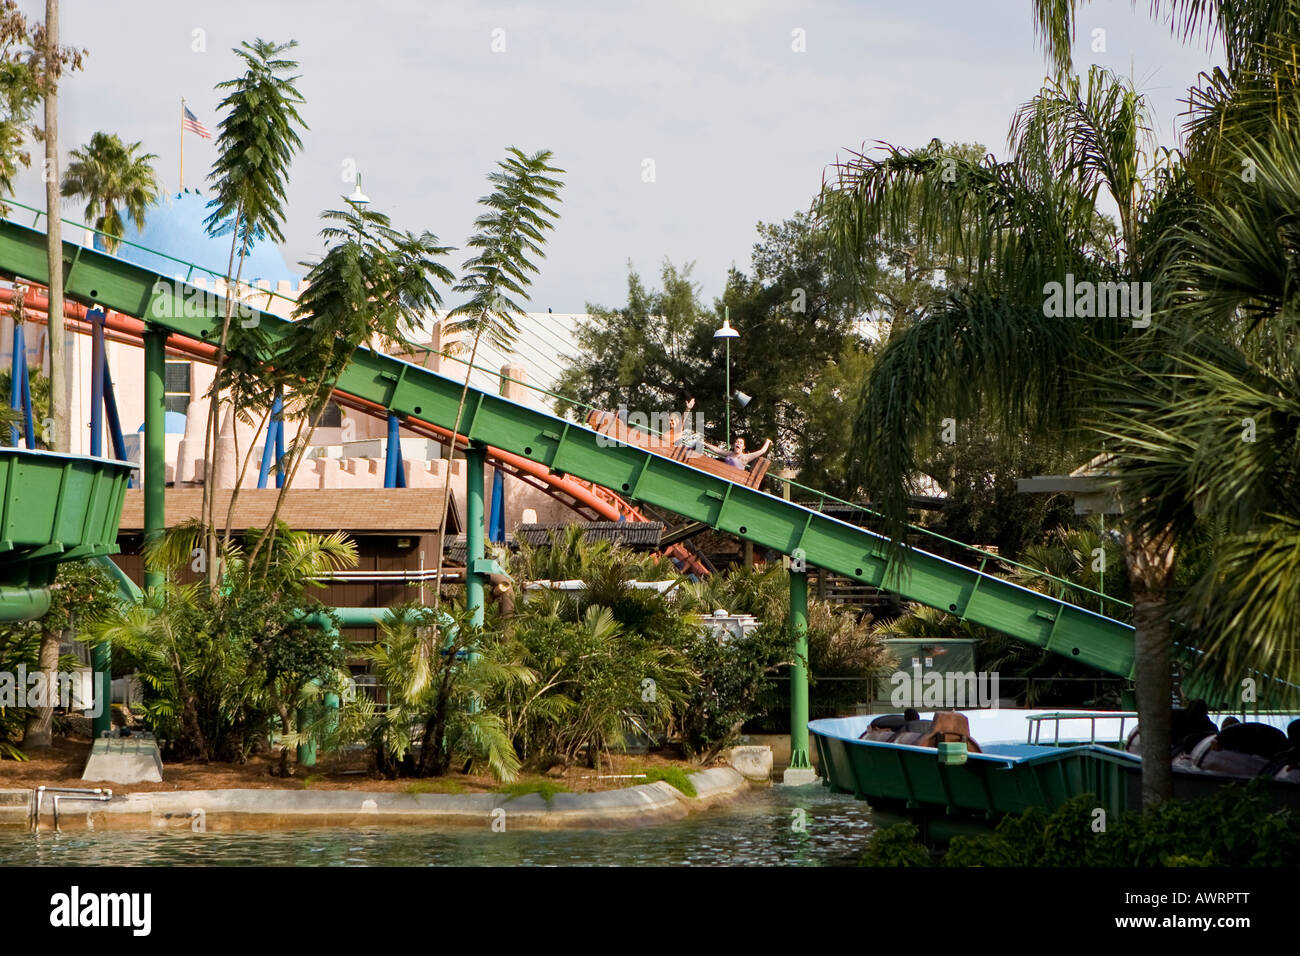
x: 224, y: 669
x: 438, y: 679
x: 80, y: 593
x: 509, y: 240
x: 112, y: 177
x: 995, y: 357
x: 1237, y: 826
x: 257, y: 139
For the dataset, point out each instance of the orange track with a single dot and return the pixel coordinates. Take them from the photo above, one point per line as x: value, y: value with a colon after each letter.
x: 119, y: 327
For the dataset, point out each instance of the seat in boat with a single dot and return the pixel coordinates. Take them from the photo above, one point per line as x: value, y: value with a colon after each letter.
x: 952, y: 727
x: 1254, y: 738
x: 884, y: 727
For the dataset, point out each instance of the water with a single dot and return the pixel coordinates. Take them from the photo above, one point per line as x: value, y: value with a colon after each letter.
x: 758, y: 829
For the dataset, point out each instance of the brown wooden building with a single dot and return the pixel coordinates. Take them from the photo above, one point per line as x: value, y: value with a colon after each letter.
x: 395, y: 531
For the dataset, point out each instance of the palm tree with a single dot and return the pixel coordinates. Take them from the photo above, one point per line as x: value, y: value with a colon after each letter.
x: 257, y: 140
x: 434, y: 685
x: 374, y: 282
x: 510, y: 236
x: 994, y: 350
x: 1217, y: 444
x: 1221, y: 360
x: 111, y: 175
x: 213, y: 658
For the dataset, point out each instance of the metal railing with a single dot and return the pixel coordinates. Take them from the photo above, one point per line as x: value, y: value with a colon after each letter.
x: 822, y: 498
x: 1036, y: 722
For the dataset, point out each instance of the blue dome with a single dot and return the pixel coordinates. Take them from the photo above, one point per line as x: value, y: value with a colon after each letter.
x: 173, y: 424
x: 174, y: 226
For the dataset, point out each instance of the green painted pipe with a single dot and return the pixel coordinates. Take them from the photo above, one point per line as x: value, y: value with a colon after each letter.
x: 23, y: 604
x: 155, y: 443
x: 126, y: 588
x: 799, y: 672
x: 475, y: 456
x: 101, y: 655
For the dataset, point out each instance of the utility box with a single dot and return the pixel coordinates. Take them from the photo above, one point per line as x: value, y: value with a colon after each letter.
x: 726, y: 627
x: 927, y: 663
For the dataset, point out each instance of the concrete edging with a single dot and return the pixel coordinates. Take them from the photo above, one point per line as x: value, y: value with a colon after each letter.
x: 209, y: 810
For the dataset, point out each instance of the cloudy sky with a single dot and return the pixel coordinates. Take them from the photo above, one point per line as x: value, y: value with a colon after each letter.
x: 735, y: 106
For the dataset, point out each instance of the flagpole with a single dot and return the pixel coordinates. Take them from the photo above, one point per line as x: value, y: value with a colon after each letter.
x: 182, y: 189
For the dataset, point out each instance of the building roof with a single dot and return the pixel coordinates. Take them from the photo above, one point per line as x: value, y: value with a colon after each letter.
x: 385, y: 511
x: 639, y: 535
x: 174, y: 225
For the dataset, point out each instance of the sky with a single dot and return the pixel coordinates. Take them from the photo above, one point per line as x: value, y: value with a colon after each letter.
x: 680, y: 124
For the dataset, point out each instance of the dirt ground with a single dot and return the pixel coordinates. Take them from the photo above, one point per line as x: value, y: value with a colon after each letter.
x: 62, y: 765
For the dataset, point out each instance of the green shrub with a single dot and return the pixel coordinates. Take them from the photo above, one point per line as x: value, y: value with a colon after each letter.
x: 673, y: 775
x: 547, y: 788
x: 1237, y: 826
x: 898, y: 845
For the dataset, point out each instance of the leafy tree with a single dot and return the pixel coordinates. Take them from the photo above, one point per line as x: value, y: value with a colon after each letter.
x: 436, y: 686
x: 220, y: 667
x: 993, y: 351
x: 510, y: 237
x: 80, y: 592
x: 794, y: 319
x: 1217, y: 445
x: 110, y: 174
x: 256, y: 142
x: 645, y: 354
x: 21, y: 90
x: 375, y: 281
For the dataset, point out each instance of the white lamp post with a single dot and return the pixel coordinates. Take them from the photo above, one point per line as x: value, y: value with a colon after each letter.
x: 358, y: 198
x: 727, y: 333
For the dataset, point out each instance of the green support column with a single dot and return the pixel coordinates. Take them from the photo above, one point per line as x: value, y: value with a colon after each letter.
x: 800, y: 767
x: 101, y: 672
x: 155, y: 443
x: 475, y: 580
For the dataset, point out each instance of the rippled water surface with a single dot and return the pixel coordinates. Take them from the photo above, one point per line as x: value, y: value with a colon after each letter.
x: 804, y: 826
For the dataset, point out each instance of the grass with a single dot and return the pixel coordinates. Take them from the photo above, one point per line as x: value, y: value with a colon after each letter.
x: 547, y: 788
x: 673, y: 775
x: 308, y: 780
x: 442, y: 785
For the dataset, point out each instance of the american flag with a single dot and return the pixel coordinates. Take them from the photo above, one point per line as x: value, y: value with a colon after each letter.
x: 191, y: 123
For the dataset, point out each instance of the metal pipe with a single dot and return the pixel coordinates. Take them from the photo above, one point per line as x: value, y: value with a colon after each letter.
x: 27, y: 401
x: 155, y: 443
x: 97, y: 360
x: 23, y: 604
x: 799, y: 758
x: 392, y: 453
x: 277, y: 416
x: 42, y: 790
x: 101, y: 798
x: 268, y: 449
x: 475, y: 582
x: 111, y: 415
x: 16, y: 379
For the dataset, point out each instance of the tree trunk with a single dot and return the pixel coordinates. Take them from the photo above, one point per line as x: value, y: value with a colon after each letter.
x: 62, y: 425
x: 1150, y: 562
x: 39, y: 731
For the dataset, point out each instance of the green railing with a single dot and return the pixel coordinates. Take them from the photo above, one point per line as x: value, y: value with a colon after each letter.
x: 821, y: 497
x: 566, y: 447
